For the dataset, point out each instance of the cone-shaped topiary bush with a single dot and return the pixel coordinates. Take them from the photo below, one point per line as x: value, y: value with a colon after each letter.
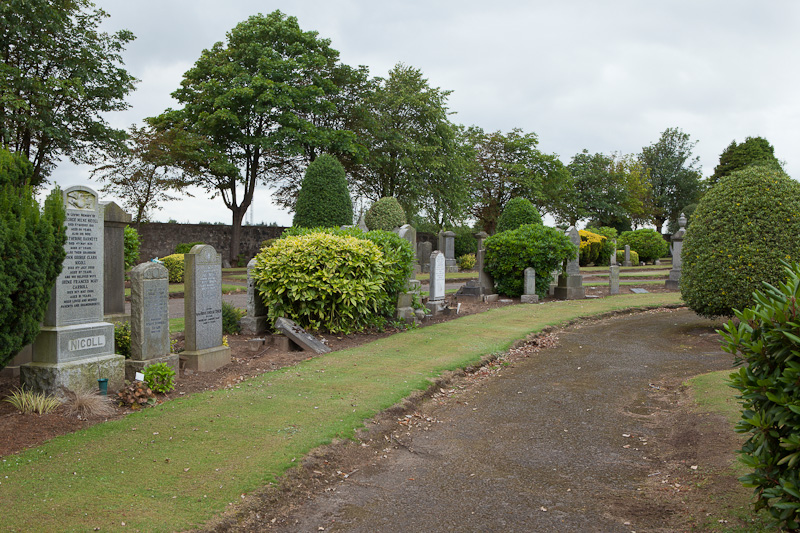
x: 741, y: 231
x: 323, y: 200
x: 516, y: 213
x: 385, y: 214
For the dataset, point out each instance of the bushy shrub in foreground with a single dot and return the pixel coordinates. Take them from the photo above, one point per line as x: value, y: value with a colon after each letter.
x: 385, y: 214
x: 741, y: 231
x: 509, y: 253
x: 604, y: 258
x: 766, y: 338
x: 591, y: 246
x: 322, y: 281
x: 648, y: 243
x: 174, y: 264
x: 323, y: 199
x: 517, y: 212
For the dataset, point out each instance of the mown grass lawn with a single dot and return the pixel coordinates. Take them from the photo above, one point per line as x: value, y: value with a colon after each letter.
x: 173, y: 467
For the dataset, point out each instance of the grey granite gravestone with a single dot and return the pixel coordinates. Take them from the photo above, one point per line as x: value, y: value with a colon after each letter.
x: 613, y: 279
x: 529, y: 287
x: 570, y: 282
x: 553, y: 282
x: 424, y: 250
x: 639, y: 291
x: 75, y: 346
x: 255, y: 321
x: 627, y: 261
x: 436, y: 301
x: 408, y: 233
x: 114, y: 222
x: 676, y: 247
x: 149, y: 319
x: 203, y: 310
x: 448, y: 247
x: 474, y: 290
x: 300, y: 336
x: 484, y: 278
x: 614, y: 253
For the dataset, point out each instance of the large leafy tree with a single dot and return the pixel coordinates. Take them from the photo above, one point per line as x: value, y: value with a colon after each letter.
x: 413, y: 149
x: 738, y: 156
x: 140, y: 172
x: 673, y: 175
x: 59, y: 76
x: 253, y: 105
x: 509, y: 165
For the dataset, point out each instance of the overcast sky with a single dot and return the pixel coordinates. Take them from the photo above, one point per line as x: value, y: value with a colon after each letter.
x: 608, y: 76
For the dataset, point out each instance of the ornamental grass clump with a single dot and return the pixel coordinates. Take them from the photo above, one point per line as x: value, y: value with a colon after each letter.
x: 324, y: 282
x: 741, y: 231
x: 765, y: 338
x: 509, y: 253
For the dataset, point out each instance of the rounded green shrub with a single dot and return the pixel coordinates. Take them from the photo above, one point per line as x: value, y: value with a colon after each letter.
x: 385, y: 214
x: 466, y: 261
x: 186, y: 247
x: 325, y: 282
x: 621, y: 257
x: 464, y: 242
x: 591, y: 246
x: 159, y: 377
x: 741, y: 231
x: 604, y: 258
x: 648, y: 243
x: 131, y: 244
x: 764, y: 339
x: 517, y: 212
x: 174, y: 265
x: 324, y: 199
x: 509, y: 253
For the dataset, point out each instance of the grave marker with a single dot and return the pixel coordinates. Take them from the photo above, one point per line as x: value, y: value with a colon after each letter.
x: 424, y: 250
x: 436, y: 301
x: 255, y: 322
x: 613, y: 279
x: 570, y: 282
x: 300, y: 336
x: 115, y: 220
x: 627, y: 261
x: 529, y: 296
x: 447, y: 247
x: 676, y: 247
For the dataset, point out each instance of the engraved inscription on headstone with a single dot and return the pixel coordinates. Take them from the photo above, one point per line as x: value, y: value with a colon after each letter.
x: 437, y: 276
x: 149, y: 311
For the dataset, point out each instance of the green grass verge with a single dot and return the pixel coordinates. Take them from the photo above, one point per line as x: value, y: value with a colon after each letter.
x: 662, y: 276
x: 173, y: 467
x: 639, y: 282
x: 665, y: 268
x: 175, y: 288
x: 176, y: 325
x: 712, y: 394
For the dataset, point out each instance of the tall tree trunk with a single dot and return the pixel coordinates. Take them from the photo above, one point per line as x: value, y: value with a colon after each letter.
x: 236, y: 232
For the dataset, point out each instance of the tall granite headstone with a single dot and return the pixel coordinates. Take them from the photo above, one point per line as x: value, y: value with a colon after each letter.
x: 570, y: 282
x: 255, y: 321
x: 447, y: 246
x: 613, y: 279
x: 115, y: 220
x: 424, y: 250
x: 203, y: 310
x: 529, y: 287
x: 674, y: 281
x: 75, y: 346
x: 627, y: 261
x: 149, y: 319
x: 408, y: 233
x: 436, y: 300
x: 614, y: 253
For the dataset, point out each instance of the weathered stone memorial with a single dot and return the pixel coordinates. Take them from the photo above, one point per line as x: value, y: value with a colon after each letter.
x: 570, y: 282
x: 474, y: 290
x: 484, y: 278
x: 149, y: 319
x: 447, y: 246
x: 613, y: 279
x: 255, y: 321
x: 424, y: 250
x: 614, y: 253
x: 408, y: 233
x: 115, y: 220
x: 203, y: 310
x: 436, y: 302
x: 676, y: 247
x: 627, y: 261
x: 75, y: 346
x: 553, y: 282
x: 300, y: 336
x: 529, y: 287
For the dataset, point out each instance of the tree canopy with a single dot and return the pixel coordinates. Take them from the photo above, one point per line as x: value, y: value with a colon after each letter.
x: 738, y: 156
x: 59, y: 77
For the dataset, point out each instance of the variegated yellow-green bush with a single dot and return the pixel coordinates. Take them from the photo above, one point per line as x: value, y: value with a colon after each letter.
x: 323, y: 282
x: 174, y: 264
x: 591, y: 245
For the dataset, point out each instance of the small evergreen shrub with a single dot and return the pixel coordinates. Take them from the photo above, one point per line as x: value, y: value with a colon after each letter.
x: 131, y: 244
x: 466, y: 262
x: 385, y: 214
x: 591, y: 245
x: 324, y: 199
x: 230, y: 319
x: 122, y: 339
x: 517, y: 212
x: 604, y: 258
x: 186, y: 247
x: 648, y: 243
x: 160, y: 377
x: 742, y: 229
x: 174, y: 264
x: 765, y: 339
x: 621, y: 257
x: 323, y: 281
x: 509, y: 253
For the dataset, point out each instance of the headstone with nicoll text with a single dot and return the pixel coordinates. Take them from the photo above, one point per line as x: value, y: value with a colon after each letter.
x: 149, y: 319
x: 202, y: 274
x: 75, y: 346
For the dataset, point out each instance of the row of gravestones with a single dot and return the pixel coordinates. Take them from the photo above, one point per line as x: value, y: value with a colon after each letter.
x: 75, y: 346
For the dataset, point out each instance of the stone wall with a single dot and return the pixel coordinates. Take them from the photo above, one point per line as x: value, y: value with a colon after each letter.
x: 159, y: 239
